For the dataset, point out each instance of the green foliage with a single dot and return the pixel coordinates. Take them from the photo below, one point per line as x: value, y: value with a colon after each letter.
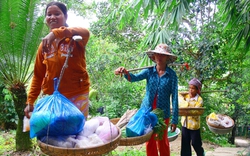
x: 21, y: 28
x: 127, y: 39
x: 161, y: 15
x: 115, y: 93
x: 117, y: 97
x: 161, y: 125
x: 8, y: 116
x: 20, y: 35
x: 221, y: 140
x: 236, y: 14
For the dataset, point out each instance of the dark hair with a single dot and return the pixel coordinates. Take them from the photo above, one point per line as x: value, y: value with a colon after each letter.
x: 60, y: 5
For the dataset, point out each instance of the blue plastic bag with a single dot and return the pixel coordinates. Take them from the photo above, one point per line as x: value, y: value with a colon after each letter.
x: 55, y: 115
x: 140, y: 122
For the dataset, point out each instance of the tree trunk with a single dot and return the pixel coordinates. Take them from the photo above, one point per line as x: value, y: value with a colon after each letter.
x: 23, y: 141
x: 231, y: 139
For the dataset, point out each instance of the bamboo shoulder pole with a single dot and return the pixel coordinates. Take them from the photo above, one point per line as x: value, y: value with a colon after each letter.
x: 139, y: 68
x: 171, y: 64
x: 206, y: 91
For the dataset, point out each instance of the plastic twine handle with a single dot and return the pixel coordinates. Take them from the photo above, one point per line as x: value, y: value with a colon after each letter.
x: 55, y: 84
x: 65, y: 65
x: 148, y: 111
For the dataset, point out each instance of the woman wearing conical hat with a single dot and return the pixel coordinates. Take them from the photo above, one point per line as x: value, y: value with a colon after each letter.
x: 162, y: 85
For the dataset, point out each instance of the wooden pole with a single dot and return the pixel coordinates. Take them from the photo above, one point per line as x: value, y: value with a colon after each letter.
x: 139, y: 68
x: 213, y: 91
x: 171, y: 64
x: 206, y: 91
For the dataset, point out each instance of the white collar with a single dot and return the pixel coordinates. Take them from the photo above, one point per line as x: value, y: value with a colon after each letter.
x: 195, y: 98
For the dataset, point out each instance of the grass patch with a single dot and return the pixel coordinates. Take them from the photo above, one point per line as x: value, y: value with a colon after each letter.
x: 8, y: 145
x: 7, y: 141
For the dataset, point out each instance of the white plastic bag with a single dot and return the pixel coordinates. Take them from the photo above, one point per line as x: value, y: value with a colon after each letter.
x: 89, y: 127
x: 26, y: 124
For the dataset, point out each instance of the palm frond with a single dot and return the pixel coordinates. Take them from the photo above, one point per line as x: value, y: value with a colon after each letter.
x: 236, y: 14
x: 20, y: 31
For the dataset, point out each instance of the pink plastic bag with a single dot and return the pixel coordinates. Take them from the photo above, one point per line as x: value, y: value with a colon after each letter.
x: 108, y: 132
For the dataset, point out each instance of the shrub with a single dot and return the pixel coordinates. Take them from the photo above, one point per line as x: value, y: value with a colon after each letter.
x: 8, y: 116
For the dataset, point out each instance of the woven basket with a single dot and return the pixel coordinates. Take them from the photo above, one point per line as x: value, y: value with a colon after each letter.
x: 92, y: 151
x: 114, y: 120
x: 130, y: 141
x: 191, y: 111
x: 219, y: 129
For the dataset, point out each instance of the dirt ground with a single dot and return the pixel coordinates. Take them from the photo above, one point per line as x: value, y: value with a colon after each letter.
x: 175, y: 146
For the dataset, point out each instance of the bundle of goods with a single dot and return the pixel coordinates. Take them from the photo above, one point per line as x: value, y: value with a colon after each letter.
x: 185, y: 110
x: 172, y: 136
x: 47, y: 117
x: 141, y: 126
x: 98, y: 136
x: 219, y: 124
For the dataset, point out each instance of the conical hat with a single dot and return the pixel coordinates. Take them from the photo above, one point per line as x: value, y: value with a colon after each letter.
x: 162, y: 49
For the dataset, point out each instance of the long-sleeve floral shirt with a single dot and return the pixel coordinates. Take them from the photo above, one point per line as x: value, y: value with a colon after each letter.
x: 165, y: 87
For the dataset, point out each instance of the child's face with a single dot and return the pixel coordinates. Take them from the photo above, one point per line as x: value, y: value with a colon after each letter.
x: 192, y: 90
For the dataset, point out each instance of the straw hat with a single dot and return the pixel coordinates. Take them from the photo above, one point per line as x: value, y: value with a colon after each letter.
x: 162, y: 49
